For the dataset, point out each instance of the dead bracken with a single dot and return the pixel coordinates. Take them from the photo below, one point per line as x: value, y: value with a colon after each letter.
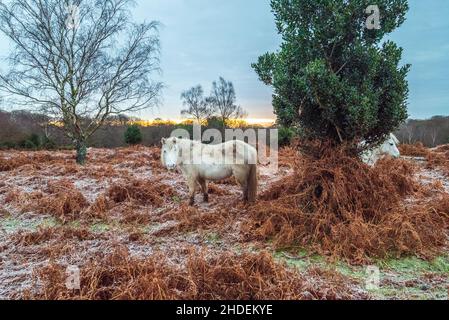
x: 142, y: 191
x: 337, y: 206
x: 414, y: 150
x: 224, y: 277
x: 439, y: 159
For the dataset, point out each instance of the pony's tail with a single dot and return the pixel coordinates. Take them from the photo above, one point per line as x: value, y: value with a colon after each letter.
x: 252, y: 183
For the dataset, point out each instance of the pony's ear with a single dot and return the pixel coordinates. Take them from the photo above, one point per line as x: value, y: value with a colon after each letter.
x: 395, y: 139
x: 163, y: 140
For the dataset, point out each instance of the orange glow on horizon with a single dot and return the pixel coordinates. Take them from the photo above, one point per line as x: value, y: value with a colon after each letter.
x: 161, y: 122
x: 232, y: 123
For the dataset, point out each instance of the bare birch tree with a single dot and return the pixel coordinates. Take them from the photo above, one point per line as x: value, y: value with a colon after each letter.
x: 79, y: 61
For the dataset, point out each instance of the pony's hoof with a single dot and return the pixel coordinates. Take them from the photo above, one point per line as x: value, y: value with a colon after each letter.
x: 206, y: 198
x: 192, y: 202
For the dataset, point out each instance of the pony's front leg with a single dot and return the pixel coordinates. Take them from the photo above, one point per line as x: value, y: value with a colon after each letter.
x: 192, y: 189
x: 204, y: 190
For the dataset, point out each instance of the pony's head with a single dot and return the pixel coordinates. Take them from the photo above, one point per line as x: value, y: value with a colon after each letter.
x: 170, y: 153
x: 389, y: 147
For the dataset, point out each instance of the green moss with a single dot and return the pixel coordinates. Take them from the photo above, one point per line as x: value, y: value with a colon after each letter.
x: 74, y: 224
x: 49, y: 223
x: 213, y: 238
x: 409, y: 293
x: 415, y: 265
x: 12, y: 224
x: 407, y: 278
x: 100, y: 227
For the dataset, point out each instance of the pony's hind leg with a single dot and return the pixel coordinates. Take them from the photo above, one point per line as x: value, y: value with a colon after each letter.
x: 241, y: 175
x: 204, y: 190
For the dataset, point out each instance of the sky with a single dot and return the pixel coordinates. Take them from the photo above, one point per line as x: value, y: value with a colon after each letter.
x: 204, y: 39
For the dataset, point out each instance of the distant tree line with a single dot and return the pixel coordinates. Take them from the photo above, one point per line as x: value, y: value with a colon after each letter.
x: 27, y: 130
x: 431, y: 132
x: 23, y: 129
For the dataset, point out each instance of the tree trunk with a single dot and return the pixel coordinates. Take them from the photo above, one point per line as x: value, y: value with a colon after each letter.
x: 81, y: 152
x: 223, y: 130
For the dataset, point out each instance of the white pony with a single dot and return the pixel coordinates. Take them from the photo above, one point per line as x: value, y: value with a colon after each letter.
x: 388, y: 148
x: 201, y: 163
